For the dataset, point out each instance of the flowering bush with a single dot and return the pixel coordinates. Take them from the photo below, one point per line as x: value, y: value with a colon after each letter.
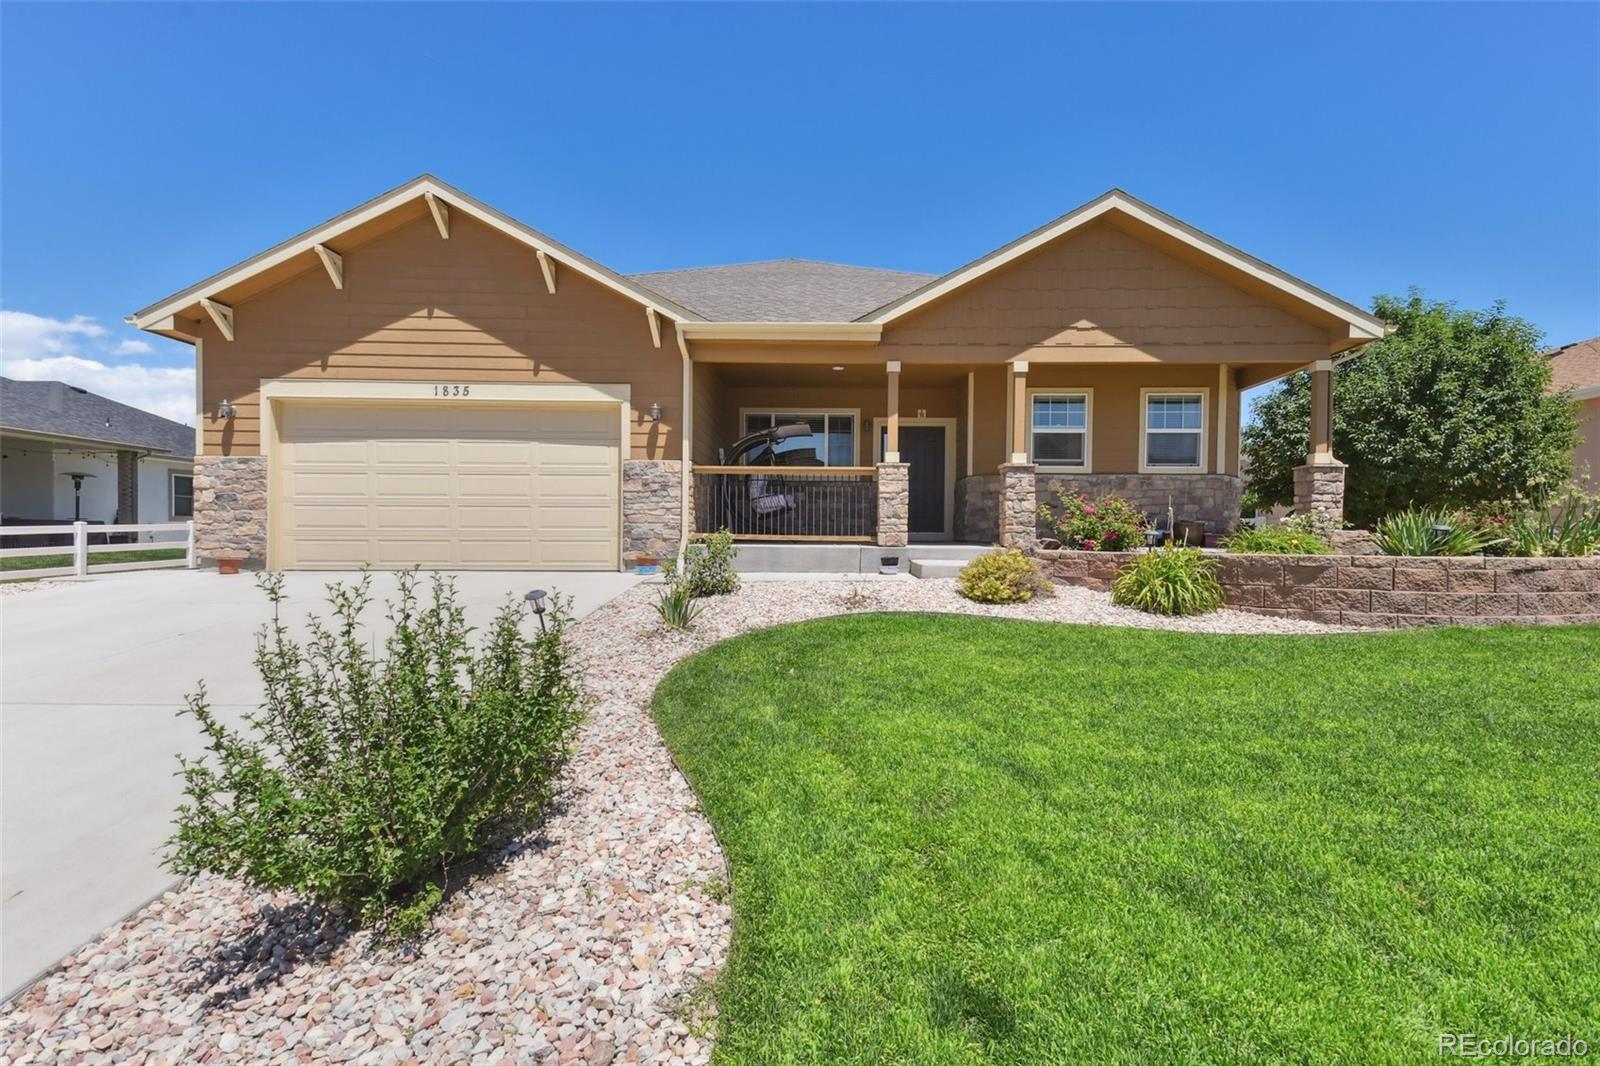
x: 1109, y: 524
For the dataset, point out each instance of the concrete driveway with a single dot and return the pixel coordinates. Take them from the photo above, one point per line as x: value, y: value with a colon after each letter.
x: 92, y: 672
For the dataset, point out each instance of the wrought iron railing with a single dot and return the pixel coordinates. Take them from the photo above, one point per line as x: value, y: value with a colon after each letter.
x: 787, y: 502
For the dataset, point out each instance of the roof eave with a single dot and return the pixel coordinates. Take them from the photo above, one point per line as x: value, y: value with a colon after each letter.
x: 1117, y: 200
x: 849, y: 332
x: 151, y: 318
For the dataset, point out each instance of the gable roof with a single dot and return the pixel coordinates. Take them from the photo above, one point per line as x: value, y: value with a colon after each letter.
x: 416, y: 189
x: 1364, y: 326
x: 1577, y: 366
x: 56, y: 409
x: 783, y: 290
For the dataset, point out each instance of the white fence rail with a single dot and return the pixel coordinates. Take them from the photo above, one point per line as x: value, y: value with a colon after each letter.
x: 164, y: 536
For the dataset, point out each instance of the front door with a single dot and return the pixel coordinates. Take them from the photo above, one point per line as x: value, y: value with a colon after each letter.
x: 923, y: 448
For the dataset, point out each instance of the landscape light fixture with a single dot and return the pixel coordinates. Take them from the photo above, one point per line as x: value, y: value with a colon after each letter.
x: 226, y: 411
x: 536, y: 598
x: 655, y: 412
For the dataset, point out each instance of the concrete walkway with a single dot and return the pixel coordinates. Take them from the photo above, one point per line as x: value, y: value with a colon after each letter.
x: 92, y: 672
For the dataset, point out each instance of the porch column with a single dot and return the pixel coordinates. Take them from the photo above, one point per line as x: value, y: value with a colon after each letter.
x: 128, y: 487
x: 1319, y: 484
x: 891, y: 448
x: 1019, y: 412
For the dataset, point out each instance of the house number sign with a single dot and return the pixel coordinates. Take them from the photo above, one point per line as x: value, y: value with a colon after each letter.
x: 452, y: 390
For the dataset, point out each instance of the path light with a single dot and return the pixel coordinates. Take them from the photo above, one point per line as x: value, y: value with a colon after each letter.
x: 1152, y: 538
x: 536, y: 599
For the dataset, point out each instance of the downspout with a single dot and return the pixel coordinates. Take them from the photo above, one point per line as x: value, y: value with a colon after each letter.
x: 685, y: 445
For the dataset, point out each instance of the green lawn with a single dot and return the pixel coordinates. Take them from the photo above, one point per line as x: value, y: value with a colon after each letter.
x: 970, y: 840
x: 42, y: 562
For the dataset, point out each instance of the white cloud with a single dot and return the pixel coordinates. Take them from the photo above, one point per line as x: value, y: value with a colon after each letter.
x: 35, y: 348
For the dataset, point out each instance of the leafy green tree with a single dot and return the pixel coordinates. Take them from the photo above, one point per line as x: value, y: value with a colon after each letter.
x: 1451, y: 410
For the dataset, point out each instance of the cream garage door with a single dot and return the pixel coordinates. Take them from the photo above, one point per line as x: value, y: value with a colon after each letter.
x: 461, y: 486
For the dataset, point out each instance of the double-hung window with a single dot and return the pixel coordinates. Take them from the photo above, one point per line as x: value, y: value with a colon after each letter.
x: 1174, y: 431
x: 833, y: 433
x: 1058, y: 429
x: 182, y: 495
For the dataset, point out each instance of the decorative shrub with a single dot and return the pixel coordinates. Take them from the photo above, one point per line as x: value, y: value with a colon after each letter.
x: 1572, y: 529
x: 1431, y: 533
x: 1275, y: 540
x: 1108, y: 524
x: 1005, y: 576
x: 707, y: 566
x: 1169, y: 580
x: 676, y: 605
x: 1317, y: 523
x: 365, y: 781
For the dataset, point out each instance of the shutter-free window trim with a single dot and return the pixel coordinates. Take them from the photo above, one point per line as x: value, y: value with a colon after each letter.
x: 1180, y: 414
x: 1051, y: 426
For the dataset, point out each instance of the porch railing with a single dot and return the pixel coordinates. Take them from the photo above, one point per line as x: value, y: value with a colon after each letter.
x: 837, y: 503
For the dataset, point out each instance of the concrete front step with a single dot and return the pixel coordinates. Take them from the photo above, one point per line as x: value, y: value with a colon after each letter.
x: 769, y: 558
x: 936, y: 567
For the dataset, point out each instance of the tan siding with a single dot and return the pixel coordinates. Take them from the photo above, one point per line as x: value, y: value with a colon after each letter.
x: 1102, y: 288
x: 709, y: 431
x: 989, y: 447
x: 416, y: 307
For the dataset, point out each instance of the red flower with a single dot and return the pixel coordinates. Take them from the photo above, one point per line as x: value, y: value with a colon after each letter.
x: 1089, y: 545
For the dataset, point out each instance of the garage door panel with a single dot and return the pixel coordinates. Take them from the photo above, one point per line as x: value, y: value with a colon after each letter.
x: 489, y: 487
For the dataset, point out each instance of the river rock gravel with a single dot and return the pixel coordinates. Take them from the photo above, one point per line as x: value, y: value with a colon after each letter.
x: 594, y: 939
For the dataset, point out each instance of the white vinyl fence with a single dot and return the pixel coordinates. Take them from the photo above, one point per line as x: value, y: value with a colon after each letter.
x: 162, y: 535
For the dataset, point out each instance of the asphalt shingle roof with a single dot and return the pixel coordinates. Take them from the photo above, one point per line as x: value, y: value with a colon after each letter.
x: 59, y: 409
x: 783, y: 290
x: 1576, y: 365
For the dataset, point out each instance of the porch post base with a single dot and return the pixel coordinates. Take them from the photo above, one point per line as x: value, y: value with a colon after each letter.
x: 1019, y: 506
x: 894, y: 504
x: 1320, y: 487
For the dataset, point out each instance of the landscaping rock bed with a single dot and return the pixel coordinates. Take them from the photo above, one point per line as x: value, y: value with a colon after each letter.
x: 594, y: 939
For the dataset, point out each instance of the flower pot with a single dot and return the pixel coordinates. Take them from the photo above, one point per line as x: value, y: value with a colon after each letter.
x: 647, y: 564
x: 227, y: 566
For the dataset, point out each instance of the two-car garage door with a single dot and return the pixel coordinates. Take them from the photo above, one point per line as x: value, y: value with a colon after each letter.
x: 464, y: 486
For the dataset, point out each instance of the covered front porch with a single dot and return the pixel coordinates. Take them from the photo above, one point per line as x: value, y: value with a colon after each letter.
x: 960, y: 453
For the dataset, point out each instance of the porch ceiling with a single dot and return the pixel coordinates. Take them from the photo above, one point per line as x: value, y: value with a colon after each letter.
x: 850, y: 376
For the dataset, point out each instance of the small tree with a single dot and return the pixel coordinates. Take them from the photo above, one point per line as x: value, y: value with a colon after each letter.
x: 1451, y: 410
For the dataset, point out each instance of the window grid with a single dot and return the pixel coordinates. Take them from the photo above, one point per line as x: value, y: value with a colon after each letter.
x: 836, y: 431
x: 1059, y: 429
x: 1174, y: 430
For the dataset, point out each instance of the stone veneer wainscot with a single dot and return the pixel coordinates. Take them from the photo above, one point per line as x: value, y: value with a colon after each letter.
x: 652, y: 515
x: 230, y: 508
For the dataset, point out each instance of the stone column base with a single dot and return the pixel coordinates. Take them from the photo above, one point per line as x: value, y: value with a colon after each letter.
x: 894, y: 505
x: 1019, y: 506
x: 652, y: 512
x: 1320, y: 487
x: 128, y: 488
x: 230, y: 508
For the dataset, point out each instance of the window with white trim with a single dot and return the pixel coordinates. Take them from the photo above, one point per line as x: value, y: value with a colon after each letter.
x: 182, y: 495
x: 1174, y: 430
x: 832, y: 440
x: 1058, y: 429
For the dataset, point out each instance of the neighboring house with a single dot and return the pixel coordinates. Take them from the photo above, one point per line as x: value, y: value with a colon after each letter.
x: 1577, y: 367
x: 134, y: 466
x: 426, y: 380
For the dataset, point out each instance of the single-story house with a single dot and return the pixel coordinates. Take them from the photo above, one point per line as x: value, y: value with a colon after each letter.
x: 1577, y: 367
x: 425, y: 379
x: 68, y: 454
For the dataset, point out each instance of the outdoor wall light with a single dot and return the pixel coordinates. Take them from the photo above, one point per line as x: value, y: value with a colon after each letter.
x: 536, y: 599
x: 655, y: 412
x: 226, y: 411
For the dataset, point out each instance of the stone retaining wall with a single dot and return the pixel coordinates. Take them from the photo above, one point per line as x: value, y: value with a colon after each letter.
x: 1381, y: 590
x: 230, y: 508
x: 652, y: 514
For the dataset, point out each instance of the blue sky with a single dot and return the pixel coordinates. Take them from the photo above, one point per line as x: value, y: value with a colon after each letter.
x: 1364, y: 148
